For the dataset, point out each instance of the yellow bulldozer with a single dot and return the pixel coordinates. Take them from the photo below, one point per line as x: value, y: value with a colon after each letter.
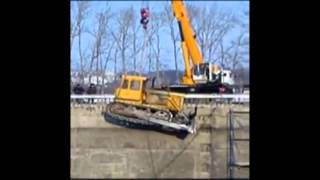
x: 138, y: 104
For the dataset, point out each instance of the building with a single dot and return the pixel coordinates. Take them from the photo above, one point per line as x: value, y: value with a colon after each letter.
x: 96, y: 79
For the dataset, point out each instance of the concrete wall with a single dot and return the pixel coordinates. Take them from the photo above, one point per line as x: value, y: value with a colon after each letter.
x: 102, y: 150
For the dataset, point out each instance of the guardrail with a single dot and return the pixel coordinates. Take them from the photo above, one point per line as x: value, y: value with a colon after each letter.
x: 107, y: 98
x: 231, y: 98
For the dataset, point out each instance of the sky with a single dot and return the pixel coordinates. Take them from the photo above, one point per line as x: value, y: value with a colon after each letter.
x: 155, y: 6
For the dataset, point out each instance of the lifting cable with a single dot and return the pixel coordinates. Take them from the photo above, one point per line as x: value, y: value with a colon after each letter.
x: 143, y: 56
x: 145, y: 14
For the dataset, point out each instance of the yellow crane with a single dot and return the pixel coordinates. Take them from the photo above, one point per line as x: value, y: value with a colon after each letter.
x: 199, y: 77
x: 137, y: 103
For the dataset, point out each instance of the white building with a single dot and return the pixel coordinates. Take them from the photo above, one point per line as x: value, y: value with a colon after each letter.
x: 96, y: 79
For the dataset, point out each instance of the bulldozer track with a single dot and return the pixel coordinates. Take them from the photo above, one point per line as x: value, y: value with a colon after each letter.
x: 128, y: 121
x: 140, y: 122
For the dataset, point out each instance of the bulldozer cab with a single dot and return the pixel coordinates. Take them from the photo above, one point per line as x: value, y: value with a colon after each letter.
x: 131, y: 88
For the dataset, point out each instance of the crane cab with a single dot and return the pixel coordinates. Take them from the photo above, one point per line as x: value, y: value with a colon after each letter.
x: 206, y: 72
x: 200, y: 73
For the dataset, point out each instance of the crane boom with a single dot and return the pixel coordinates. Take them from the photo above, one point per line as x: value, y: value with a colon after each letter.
x: 186, y: 31
x: 189, y: 44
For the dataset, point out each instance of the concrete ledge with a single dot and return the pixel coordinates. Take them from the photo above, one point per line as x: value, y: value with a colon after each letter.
x: 103, y: 150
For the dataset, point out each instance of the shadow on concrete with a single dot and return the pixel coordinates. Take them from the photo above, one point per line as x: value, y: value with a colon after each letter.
x: 157, y: 128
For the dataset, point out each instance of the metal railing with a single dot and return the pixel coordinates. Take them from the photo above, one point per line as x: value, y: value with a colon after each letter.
x: 232, y: 160
x: 231, y: 98
x: 107, y: 98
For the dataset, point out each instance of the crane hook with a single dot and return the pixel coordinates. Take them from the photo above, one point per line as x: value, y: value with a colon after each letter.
x: 145, y: 13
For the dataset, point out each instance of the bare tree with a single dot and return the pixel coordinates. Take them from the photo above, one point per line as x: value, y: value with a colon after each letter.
x: 148, y: 50
x: 244, y: 24
x: 170, y: 21
x: 210, y: 31
x: 136, y: 41
x: 234, y: 52
x: 115, y: 58
x: 105, y: 20
x: 73, y: 30
x: 100, y: 38
x: 211, y: 26
x: 238, y: 51
x: 222, y: 54
x: 82, y: 11
x: 121, y: 34
x: 104, y: 65
x: 157, y: 21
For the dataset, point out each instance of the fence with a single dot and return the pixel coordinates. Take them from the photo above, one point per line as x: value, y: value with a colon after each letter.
x: 233, y: 162
x: 190, y: 98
